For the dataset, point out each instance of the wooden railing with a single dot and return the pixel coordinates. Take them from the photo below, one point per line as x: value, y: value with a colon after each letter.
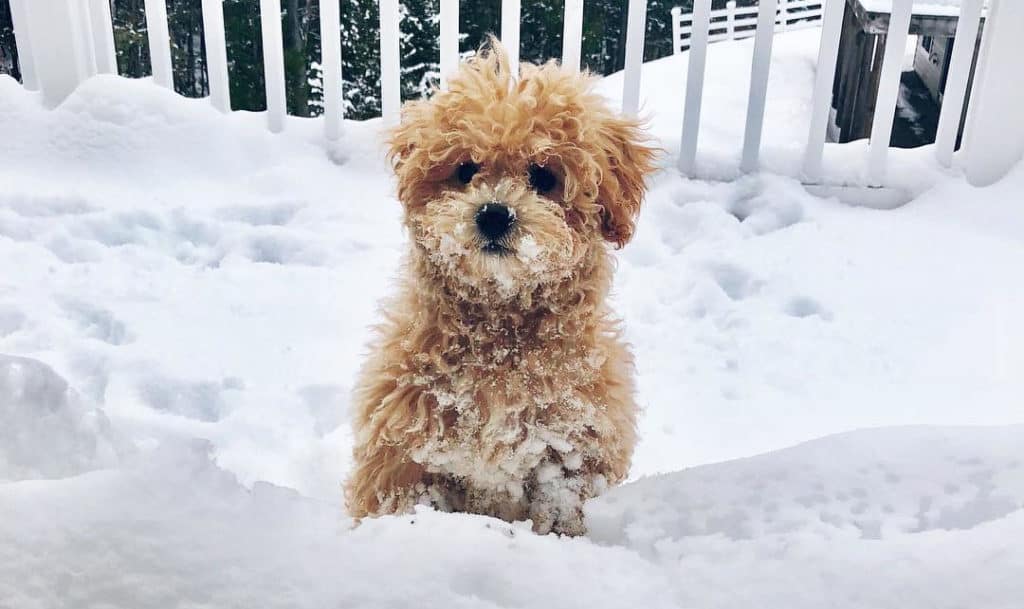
x: 63, y: 42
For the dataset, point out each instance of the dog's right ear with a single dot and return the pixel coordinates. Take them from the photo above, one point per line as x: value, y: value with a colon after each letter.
x: 409, y: 149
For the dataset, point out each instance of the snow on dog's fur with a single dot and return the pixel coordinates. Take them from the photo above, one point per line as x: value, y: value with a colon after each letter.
x: 499, y: 383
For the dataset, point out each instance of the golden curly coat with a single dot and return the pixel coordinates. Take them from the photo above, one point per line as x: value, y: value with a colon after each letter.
x: 499, y: 383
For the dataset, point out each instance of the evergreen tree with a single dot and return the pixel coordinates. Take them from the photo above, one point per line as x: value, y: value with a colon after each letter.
x: 603, y: 52
x: 8, y: 48
x: 244, y: 39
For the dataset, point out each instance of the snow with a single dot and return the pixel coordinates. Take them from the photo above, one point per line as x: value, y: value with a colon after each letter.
x: 831, y: 393
x: 937, y: 8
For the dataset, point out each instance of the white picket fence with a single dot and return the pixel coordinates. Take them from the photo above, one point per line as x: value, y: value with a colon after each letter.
x: 63, y: 42
x: 734, y: 23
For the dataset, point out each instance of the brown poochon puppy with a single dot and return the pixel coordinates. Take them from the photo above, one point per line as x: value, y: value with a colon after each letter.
x: 499, y: 383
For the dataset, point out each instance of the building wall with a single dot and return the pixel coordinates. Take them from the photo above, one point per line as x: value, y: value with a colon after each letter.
x: 931, y: 62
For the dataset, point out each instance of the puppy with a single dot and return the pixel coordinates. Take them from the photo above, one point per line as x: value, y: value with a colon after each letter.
x: 499, y: 383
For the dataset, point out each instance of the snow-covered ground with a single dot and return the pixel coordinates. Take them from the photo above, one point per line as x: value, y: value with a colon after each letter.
x: 184, y: 300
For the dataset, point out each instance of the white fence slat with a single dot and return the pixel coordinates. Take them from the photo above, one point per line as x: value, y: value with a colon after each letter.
x: 783, y: 16
x: 390, y: 61
x: 636, y: 27
x: 59, y: 65
x: 956, y: 82
x: 694, y: 86
x: 449, y: 43
x: 216, y: 54
x: 83, y: 38
x: 26, y: 59
x: 802, y: 4
x: 821, y: 102
x: 888, y: 90
x: 677, y: 30
x: 759, y: 72
x: 511, y: 13
x: 730, y: 17
x: 103, y: 36
x: 572, y: 34
x: 330, y: 63
x: 159, y: 43
x: 996, y: 132
x: 273, y: 64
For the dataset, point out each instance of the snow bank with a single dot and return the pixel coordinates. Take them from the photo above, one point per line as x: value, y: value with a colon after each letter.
x: 47, y: 431
x: 174, y: 530
x: 890, y: 518
x: 207, y: 287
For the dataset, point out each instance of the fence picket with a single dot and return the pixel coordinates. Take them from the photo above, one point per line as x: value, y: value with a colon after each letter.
x: 572, y: 35
x: 635, y: 35
x: 159, y: 42
x: 677, y: 30
x: 510, y: 14
x: 273, y: 64
x: 449, y: 43
x: 330, y: 63
x: 216, y: 54
x: 83, y: 39
x: 956, y: 83
x: 730, y: 18
x: 995, y: 134
x: 695, y: 85
x: 737, y: 23
x: 888, y: 90
x: 103, y: 36
x: 821, y: 101
x: 759, y: 72
x: 390, y: 62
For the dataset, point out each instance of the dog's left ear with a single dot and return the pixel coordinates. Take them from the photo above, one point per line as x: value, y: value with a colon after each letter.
x: 627, y: 161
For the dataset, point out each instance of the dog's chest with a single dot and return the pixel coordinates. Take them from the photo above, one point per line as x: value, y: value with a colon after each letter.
x: 496, y: 424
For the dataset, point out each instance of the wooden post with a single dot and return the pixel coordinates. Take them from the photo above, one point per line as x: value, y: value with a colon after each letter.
x: 695, y: 85
x: 217, y: 54
x: 635, y: 36
x: 677, y: 31
x: 511, y: 13
x: 759, y: 72
x: 821, y: 101
x: 60, y: 68
x: 273, y: 64
x: 730, y: 20
x: 449, y: 43
x: 888, y: 91
x: 103, y: 36
x: 995, y: 133
x: 159, y: 43
x: 390, y: 61
x: 330, y: 58
x: 957, y: 81
x: 572, y: 35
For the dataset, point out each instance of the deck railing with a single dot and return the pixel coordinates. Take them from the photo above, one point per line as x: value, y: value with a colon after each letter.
x: 63, y: 42
x: 736, y: 22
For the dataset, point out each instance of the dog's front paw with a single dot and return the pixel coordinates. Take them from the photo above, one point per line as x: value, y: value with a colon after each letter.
x: 560, y: 521
x: 556, y: 500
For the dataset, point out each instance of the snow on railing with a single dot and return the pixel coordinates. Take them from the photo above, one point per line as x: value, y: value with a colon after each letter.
x: 63, y: 42
x: 736, y: 22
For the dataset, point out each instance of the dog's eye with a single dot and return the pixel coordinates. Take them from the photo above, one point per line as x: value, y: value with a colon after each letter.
x: 542, y: 179
x: 466, y: 171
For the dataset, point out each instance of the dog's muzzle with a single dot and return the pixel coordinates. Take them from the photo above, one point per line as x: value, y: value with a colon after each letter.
x: 494, y: 220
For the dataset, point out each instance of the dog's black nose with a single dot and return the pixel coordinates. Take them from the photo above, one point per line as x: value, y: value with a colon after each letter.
x: 494, y: 220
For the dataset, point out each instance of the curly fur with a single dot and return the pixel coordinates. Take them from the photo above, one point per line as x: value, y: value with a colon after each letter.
x: 499, y: 384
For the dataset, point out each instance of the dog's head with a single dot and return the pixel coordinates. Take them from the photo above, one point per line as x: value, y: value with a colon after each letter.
x: 510, y: 184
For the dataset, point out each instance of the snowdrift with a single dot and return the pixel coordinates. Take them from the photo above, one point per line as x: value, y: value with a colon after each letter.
x: 184, y: 300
